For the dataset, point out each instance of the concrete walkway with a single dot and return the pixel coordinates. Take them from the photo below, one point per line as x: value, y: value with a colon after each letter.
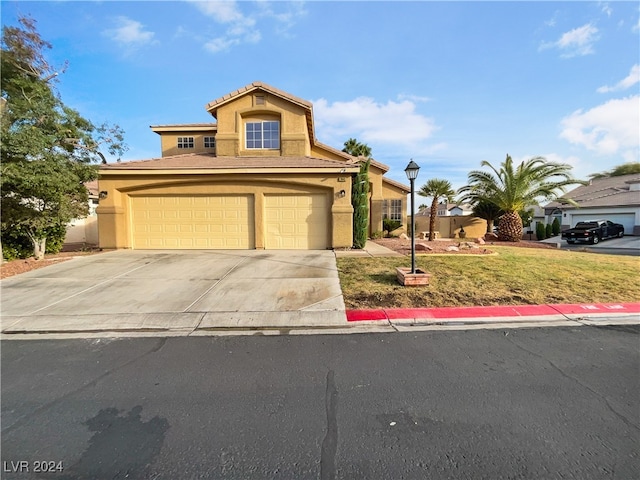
x: 371, y: 249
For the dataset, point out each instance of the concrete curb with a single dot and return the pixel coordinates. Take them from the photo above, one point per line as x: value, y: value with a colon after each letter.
x: 600, y: 313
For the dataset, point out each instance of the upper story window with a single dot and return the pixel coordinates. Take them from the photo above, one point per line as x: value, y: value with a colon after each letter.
x: 263, y: 134
x: 209, y: 142
x: 186, y: 142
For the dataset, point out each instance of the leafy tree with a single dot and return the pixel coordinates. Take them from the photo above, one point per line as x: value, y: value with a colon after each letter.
x: 360, y: 202
x: 48, y: 149
x: 514, y: 188
x: 487, y: 211
x: 624, y: 169
x: 357, y: 149
x: 437, y: 189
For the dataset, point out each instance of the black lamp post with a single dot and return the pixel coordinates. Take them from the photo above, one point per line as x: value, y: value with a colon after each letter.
x: 412, y: 174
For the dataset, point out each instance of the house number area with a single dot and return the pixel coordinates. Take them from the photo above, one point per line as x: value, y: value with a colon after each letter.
x: 37, y: 466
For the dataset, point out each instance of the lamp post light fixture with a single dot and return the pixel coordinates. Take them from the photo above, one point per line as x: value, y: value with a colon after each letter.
x: 412, y: 173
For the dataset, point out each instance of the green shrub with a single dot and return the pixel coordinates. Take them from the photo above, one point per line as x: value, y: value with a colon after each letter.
x: 390, y: 225
x: 377, y: 234
x: 555, y: 226
x: 17, y: 244
x: 548, y: 231
x: 540, y: 231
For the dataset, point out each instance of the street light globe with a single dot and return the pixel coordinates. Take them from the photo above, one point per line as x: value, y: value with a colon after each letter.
x: 412, y: 170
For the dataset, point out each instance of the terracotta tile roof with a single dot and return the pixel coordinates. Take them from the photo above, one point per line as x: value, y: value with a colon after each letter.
x: 185, y: 127
x: 210, y: 161
x: 214, y: 104
x: 604, y: 192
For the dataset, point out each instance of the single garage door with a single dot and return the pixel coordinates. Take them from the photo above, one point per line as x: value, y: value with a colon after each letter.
x: 626, y: 219
x: 299, y: 222
x: 193, y: 222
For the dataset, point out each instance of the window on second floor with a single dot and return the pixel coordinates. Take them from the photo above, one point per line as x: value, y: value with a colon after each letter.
x: 186, y: 142
x: 392, y: 209
x: 265, y: 135
x: 209, y: 142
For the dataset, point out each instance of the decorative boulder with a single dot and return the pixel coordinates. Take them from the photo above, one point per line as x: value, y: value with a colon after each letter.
x: 423, y: 247
x: 403, y: 236
x: 490, y: 237
x: 480, y: 240
x: 453, y: 248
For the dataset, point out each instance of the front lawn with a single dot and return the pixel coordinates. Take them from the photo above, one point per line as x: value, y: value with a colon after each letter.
x: 514, y: 276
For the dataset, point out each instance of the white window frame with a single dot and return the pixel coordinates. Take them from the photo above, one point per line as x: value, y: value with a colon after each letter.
x: 186, y: 142
x: 392, y: 209
x: 255, y: 137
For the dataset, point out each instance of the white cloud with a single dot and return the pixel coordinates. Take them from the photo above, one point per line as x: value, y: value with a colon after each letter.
x: 612, y: 128
x: 636, y: 27
x: 627, y: 82
x: 394, y: 124
x: 243, y: 28
x: 576, y: 42
x: 130, y: 33
x: 606, y: 8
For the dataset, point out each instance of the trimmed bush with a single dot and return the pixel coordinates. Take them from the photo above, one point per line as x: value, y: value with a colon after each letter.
x: 555, y: 226
x: 548, y: 231
x: 390, y: 225
x: 540, y: 231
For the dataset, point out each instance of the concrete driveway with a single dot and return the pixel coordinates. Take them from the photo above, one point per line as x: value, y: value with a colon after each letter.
x: 136, y: 290
x: 627, y: 245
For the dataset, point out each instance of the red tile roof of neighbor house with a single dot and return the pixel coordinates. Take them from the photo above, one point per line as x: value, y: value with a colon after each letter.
x: 92, y: 187
x: 211, y: 161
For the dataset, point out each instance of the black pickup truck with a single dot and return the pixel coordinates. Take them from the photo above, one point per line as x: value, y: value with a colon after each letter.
x: 593, y: 231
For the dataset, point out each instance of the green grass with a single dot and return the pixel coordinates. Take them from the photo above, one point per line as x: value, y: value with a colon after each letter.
x: 515, y: 276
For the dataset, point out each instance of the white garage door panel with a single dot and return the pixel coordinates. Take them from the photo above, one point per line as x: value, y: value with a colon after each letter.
x: 626, y: 219
x: 298, y: 222
x: 185, y: 222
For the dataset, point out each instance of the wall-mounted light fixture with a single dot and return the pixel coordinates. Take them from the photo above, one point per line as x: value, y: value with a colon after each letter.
x: 103, y: 194
x: 342, y: 193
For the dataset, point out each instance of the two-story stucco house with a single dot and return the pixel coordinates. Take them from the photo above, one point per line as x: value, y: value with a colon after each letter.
x: 256, y: 178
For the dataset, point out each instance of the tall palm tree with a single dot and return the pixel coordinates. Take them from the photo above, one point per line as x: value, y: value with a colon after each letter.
x: 437, y: 189
x: 513, y: 189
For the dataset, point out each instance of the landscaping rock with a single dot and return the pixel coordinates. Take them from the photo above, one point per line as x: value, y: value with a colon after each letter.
x: 490, y: 237
x: 423, y: 247
x: 453, y: 248
x: 480, y: 240
x: 403, y: 236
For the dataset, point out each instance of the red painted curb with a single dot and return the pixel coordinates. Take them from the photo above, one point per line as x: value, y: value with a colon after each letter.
x: 491, y: 311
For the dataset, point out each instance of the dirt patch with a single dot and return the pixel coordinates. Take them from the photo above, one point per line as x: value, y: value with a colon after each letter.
x: 444, y: 246
x: 15, y: 267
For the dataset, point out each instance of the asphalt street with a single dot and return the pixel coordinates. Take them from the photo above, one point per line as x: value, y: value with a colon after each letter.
x: 484, y: 404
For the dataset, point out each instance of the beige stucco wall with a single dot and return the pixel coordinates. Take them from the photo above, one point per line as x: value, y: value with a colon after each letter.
x: 449, y: 227
x: 169, y: 143
x: 114, y: 211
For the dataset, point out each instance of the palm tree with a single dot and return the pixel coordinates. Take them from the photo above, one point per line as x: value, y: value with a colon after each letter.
x: 487, y: 211
x: 437, y: 189
x: 357, y: 149
x: 513, y: 189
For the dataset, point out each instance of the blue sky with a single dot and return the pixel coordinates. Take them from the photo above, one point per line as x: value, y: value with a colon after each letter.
x: 448, y: 84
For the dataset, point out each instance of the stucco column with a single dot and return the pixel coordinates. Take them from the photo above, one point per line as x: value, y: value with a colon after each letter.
x: 110, y: 218
x: 259, y: 220
x: 342, y: 225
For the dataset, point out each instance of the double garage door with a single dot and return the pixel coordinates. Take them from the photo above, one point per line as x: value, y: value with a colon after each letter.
x: 229, y: 222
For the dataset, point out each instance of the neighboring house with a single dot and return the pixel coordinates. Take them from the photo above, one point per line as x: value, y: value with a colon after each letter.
x: 611, y: 198
x: 84, y: 231
x: 257, y: 178
x: 450, y: 209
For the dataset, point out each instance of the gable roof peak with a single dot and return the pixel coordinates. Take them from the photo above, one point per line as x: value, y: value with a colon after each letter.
x: 213, y: 105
